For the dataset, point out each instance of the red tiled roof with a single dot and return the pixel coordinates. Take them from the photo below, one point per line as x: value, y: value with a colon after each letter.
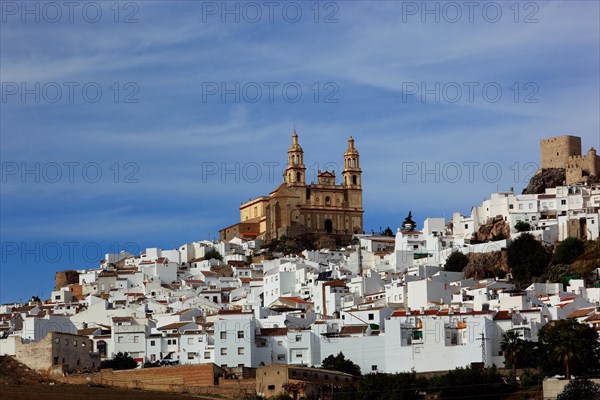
x: 584, y: 312
x: 353, y: 329
x: 174, y: 325
x: 296, y: 300
x: 402, y: 313
x: 273, y: 331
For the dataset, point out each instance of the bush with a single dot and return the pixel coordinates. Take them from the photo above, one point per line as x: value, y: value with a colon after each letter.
x: 120, y: 361
x: 579, y: 389
x: 341, y: 364
x: 471, y: 383
x: 567, y: 251
x: 522, y: 226
x: 456, y: 262
x: 213, y: 253
x: 403, y: 386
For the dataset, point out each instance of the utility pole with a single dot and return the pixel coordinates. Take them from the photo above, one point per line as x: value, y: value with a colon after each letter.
x: 483, y: 339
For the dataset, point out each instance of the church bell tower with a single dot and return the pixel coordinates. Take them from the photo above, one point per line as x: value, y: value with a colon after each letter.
x: 295, y: 172
x: 352, y: 172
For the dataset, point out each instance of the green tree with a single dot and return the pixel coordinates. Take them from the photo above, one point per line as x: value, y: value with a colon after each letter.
x: 456, y: 262
x: 522, y: 226
x: 579, y: 389
x: 213, y: 253
x: 511, y: 345
x: 341, y: 363
x: 403, y: 386
x: 527, y: 258
x: 387, y: 232
x: 120, y: 361
x: 408, y: 223
x: 567, y: 251
x: 568, y: 348
x: 471, y: 383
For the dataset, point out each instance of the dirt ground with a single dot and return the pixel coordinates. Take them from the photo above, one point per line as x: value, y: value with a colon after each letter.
x: 83, y: 392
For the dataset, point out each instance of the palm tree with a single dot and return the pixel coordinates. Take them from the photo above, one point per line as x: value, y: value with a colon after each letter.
x: 511, y: 347
x: 565, y: 355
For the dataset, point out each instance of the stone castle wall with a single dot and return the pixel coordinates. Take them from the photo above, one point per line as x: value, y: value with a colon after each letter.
x: 565, y: 152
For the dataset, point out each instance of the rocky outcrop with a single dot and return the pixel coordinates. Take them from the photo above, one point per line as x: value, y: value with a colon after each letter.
x: 547, y: 178
x: 222, y: 270
x: 494, y: 229
x: 64, y: 278
x: 486, y: 265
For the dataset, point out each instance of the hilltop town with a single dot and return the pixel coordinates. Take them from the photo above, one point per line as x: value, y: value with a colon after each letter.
x: 390, y: 302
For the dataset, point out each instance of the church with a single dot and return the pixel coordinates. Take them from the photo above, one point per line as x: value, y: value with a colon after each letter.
x: 295, y: 208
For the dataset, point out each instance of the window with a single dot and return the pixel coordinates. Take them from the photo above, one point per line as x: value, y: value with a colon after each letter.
x: 200, y: 339
x: 136, y: 339
x: 223, y: 351
x: 223, y: 335
x: 56, y: 340
x: 153, y: 343
x: 74, y: 342
x: 280, y: 343
x: 466, y: 226
x: 240, y: 351
x: 190, y: 356
x: 371, y: 316
x: 563, y: 202
x: 373, y: 367
x: 66, y: 342
x: 190, y: 341
x: 153, y: 357
x: 207, y: 354
x: 271, y: 387
x: 280, y: 357
x: 240, y: 334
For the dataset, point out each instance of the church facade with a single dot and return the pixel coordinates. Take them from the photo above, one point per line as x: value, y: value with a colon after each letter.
x: 295, y: 208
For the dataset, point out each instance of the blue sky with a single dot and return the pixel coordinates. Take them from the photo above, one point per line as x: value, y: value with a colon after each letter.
x: 193, y: 116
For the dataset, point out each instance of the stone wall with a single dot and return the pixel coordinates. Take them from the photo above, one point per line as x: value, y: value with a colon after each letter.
x: 69, y: 352
x: 200, y: 379
x: 552, y: 388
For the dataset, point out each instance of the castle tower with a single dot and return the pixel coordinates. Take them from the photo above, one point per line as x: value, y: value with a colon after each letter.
x: 593, y: 161
x: 352, y: 173
x: 295, y: 172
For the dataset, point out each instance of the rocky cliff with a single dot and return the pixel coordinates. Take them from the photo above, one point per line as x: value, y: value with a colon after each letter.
x: 486, y: 265
x: 494, y: 229
x: 64, y: 278
x: 547, y: 178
